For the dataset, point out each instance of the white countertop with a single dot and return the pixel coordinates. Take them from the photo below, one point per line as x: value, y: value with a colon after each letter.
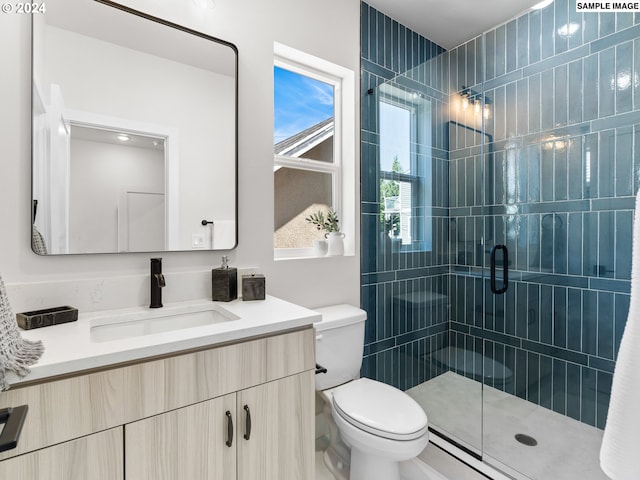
x: 71, y: 348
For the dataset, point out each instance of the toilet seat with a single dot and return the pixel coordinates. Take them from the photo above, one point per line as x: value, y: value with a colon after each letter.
x: 380, y: 409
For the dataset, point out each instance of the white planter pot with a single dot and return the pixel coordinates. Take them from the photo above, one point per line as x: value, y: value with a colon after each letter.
x: 335, y: 243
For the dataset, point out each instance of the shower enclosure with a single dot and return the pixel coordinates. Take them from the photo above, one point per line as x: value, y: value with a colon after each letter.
x: 498, y: 183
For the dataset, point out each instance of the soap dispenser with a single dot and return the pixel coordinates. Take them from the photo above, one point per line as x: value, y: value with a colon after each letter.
x: 224, y: 282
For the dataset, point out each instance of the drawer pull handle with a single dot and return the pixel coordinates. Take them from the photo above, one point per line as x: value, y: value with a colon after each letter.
x: 13, y: 418
x: 229, y: 441
x: 247, y: 434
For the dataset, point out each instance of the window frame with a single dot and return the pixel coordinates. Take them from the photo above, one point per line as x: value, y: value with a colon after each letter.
x: 342, y: 81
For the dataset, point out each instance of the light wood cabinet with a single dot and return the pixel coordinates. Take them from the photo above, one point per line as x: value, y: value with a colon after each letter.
x: 187, y: 443
x: 273, y: 429
x: 282, y: 428
x: 166, y: 419
x: 96, y: 457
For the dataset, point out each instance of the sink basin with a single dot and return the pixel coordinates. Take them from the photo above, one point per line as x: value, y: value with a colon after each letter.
x: 117, y: 326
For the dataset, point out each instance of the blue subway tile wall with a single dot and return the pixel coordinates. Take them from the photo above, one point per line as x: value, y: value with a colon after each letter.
x: 549, y: 169
x: 403, y: 292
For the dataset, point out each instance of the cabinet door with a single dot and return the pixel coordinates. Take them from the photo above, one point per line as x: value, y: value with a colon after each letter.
x: 189, y: 443
x: 96, y: 457
x: 280, y: 444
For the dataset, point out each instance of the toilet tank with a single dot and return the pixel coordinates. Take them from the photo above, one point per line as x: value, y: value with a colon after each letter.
x: 339, y: 344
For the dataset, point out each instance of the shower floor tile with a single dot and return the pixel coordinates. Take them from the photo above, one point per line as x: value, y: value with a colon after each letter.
x: 453, y: 404
x: 566, y: 448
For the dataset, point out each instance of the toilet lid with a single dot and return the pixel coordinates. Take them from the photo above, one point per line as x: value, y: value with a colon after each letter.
x: 380, y: 409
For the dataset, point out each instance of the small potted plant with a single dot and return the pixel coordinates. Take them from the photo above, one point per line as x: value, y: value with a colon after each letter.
x: 331, y: 225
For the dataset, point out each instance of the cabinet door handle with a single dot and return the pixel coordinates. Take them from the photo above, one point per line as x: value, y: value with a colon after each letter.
x: 13, y: 418
x: 229, y: 441
x: 247, y: 433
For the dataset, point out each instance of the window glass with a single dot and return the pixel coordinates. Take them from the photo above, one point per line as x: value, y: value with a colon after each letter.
x: 298, y: 194
x: 395, y: 138
x: 303, y: 116
x: 305, y: 169
x: 405, y: 167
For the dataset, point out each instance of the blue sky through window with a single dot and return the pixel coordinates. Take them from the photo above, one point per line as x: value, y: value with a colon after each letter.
x: 395, y: 136
x: 299, y: 103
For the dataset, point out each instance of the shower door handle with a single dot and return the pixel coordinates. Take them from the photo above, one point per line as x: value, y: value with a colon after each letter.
x: 505, y: 269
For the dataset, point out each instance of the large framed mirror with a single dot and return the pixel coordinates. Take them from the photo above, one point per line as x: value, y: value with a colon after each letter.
x: 134, y: 133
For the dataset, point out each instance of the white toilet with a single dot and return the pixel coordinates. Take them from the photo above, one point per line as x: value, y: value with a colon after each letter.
x: 381, y: 424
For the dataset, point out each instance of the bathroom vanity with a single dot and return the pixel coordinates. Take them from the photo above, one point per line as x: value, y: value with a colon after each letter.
x: 231, y: 399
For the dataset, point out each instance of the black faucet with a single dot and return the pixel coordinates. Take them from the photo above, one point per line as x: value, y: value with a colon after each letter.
x: 157, y: 283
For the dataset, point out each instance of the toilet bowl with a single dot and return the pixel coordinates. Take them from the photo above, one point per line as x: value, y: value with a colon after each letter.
x: 380, y: 424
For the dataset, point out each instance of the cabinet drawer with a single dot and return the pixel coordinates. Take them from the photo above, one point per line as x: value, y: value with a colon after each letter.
x: 65, y: 409
x: 290, y: 354
x: 97, y: 457
x: 163, y: 385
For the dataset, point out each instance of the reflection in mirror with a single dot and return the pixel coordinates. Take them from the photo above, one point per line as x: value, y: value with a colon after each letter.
x: 130, y: 193
x: 134, y: 133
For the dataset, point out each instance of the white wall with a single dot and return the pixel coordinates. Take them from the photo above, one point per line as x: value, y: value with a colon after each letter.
x: 94, y: 281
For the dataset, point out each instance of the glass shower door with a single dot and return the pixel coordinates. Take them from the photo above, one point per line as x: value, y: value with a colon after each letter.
x: 426, y: 236
x: 464, y: 355
x: 455, y: 407
x: 560, y: 163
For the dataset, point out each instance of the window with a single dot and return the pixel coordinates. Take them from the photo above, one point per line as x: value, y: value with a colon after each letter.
x: 405, y: 167
x: 309, y: 149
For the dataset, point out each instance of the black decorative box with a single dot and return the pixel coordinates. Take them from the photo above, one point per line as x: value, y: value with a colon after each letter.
x: 253, y: 287
x: 46, y: 317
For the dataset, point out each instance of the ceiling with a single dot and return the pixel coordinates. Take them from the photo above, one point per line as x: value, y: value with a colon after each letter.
x: 451, y: 22
x: 115, y: 26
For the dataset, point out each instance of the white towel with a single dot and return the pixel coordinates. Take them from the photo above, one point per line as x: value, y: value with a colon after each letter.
x: 16, y: 353
x: 620, y: 451
x: 224, y: 235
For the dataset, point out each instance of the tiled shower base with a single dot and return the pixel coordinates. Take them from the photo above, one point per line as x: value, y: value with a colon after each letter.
x: 566, y: 449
